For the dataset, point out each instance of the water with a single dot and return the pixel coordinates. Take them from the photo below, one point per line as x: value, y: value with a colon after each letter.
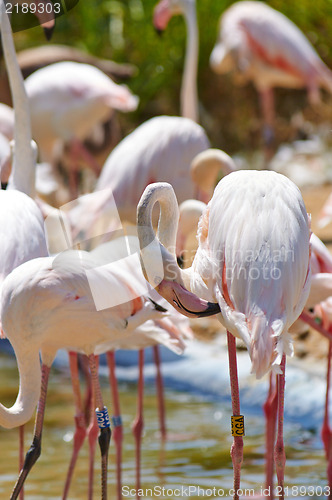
x: 198, y: 420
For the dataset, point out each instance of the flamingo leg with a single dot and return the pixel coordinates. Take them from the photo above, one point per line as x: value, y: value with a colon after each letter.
x: 93, y: 429
x: 160, y: 393
x: 35, y: 448
x: 267, y: 108
x: 117, y: 422
x: 73, y: 174
x: 138, y: 424
x: 270, y: 411
x: 21, y: 455
x: 80, y: 429
x: 82, y: 152
x: 237, y: 446
x: 326, y: 432
x: 326, y: 429
x: 103, y: 424
x: 279, y: 451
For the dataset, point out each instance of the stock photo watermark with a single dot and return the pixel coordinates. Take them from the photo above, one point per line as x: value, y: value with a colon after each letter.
x: 217, y: 492
x: 26, y: 15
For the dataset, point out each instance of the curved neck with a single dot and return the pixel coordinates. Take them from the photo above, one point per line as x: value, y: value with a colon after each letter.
x: 158, y: 251
x: 207, y: 166
x: 23, y: 169
x: 189, y: 99
x: 29, y: 391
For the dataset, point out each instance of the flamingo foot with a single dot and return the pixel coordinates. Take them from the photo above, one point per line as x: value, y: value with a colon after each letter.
x: 30, y: 459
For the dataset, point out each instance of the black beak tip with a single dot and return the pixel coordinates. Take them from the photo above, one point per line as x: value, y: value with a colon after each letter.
x: 180, y: 261
x: 48, y: 33
x: 159, y: 32
x: 212, y: 309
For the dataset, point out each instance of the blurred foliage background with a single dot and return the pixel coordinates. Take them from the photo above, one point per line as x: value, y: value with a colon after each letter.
x: 122, y: 30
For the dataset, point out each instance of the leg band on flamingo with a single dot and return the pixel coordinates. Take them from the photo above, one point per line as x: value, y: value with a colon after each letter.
x: 117, y: 421
x: 102, y: 418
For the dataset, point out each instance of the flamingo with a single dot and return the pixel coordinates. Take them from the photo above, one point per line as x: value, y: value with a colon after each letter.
x: 320, y: 302
x: 252, y: 259
x: 170, y: 331
x: 21, y: 222
x: 165, y: 148
x: 67, y: 100
x: 268, y: 49
x: 163, y: 12
x: 43, y: 10
x: 59, y: 302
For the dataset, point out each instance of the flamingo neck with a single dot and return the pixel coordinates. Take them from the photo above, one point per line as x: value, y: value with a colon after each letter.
x: 189, y: 99
x: 29, y: 390
x: 23, y: 168
x: 158, y: 251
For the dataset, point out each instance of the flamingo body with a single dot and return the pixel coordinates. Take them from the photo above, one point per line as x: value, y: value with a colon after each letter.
x: 253, y: 259
x: 29, y: 241
x: 160, y: 149
x: 67, y: 99
x: 48, y: 303
x: 267, y: 48
x: 263, y: 262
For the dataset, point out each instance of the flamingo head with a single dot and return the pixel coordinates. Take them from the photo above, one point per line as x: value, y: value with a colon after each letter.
x: 166, y: 9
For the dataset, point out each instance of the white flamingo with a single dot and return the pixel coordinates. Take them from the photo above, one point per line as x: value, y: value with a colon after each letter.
x: 67, y: 100
x: 163, y: 12
x: 253, y: 259
x: 264, y: 46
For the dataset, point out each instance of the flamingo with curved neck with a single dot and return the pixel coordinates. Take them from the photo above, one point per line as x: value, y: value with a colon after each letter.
x: 163, y: 12
x: 253, y: 259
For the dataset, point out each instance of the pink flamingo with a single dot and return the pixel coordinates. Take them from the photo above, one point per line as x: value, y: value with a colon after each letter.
x: 264, y: 46
x: 319, y: 302
x: 21, y: 221
x: 169, y: 331
x: 67, y: 100
x: 163, y: 12
x: 165, y: 148
x: 49, y: 303
x: 259, y: 296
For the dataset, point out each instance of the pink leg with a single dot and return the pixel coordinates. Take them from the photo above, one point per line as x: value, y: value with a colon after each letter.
x: 80, y: 429
x: 73, y: 174
x: 160, y: 393
x: 279, y: 452
x: 270, y: 410
x: 326, y: 432
x: 237, y: 446
x: 117, y: 422
x: 326, y: 429
x: 310, y: 320
x: 92, y: 430
x: 84, y: 366
x: 103, y: 424
x: 82, y: 152
x: 138, y: 424
x: 35, y: 448
x: 21, y: 455
x: 267, y: 109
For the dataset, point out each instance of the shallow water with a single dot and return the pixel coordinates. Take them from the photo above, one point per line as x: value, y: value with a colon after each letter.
x: 196, y: 453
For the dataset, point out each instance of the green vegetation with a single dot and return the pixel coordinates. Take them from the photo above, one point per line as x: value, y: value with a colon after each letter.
x: 122, y: 30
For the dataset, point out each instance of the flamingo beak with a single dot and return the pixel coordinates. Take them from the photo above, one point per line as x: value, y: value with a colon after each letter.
x: 185, y: 302
x: 48, y: 32
x: 161, y: 16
